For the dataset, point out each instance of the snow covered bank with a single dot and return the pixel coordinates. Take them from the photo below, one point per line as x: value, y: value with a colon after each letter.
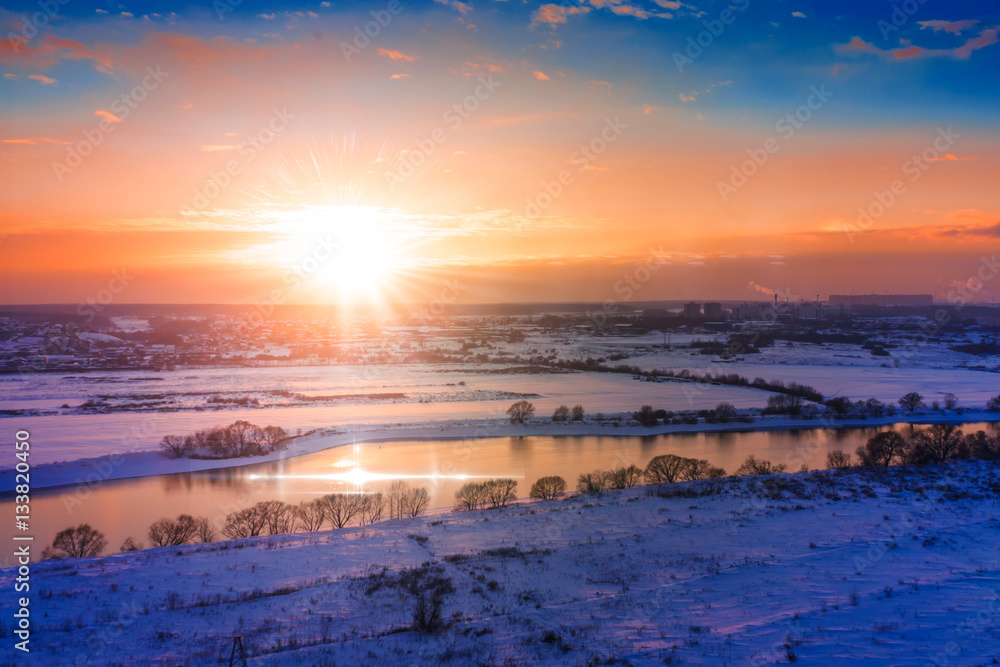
x: 872, y: 567
x: 147, y: 463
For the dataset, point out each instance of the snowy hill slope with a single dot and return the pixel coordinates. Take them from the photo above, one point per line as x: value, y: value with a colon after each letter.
x: 873, y: 567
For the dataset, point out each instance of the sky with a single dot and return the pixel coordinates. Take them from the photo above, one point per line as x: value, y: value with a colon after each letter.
x: 498, y: 151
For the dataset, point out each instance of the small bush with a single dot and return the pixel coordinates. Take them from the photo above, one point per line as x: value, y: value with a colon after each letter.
x: 79, y: 542
x: 548, y: 488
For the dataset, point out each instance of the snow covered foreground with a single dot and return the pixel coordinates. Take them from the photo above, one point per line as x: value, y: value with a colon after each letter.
x: 896, y: 567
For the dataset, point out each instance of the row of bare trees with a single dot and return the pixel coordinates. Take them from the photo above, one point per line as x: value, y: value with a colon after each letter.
x: 241, y: 438
x: 936, y: 444
x: 492, y: 492
x: 269, y: 517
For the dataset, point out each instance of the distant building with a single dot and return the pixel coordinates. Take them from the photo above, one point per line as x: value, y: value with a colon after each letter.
x: 713, y: 311
x: 692, y: 309
x: 882, y: 299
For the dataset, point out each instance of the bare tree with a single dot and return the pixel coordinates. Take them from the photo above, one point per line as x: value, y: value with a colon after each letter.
x: 754, y: 466
x: 372, y: 507
x: 520, y: 411
x: 646, y: 416
x: 665, y: 469
x: 274, y: 438
x: 247, y: 522
x: 837, y: 459
x: 311, y: 514
x: 577, y: 413
x: 699, y: 469
x: 726, y: 412
x: 882, y: 449
x: 561, y: 414
x: 875, y: 407
x: 79, y: 542
x: 471, y: 495
x: 950, y: 401
x: 911, y: 402
x: 176, y: 446
x: 624, y: 478
x: 171, y: 532
x: 548, y: 488
x: 130, y: 545
x: 416, y: 501
x: 397, y: 492
x: 205, y: 531
x: 499, y: 492
x: 591, y: 482
x: 935, y: 445
x: 280, y: 516
x: 342, y: 507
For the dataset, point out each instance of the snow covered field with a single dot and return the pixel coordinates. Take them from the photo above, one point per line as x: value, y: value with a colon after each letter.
x: 873, y: 568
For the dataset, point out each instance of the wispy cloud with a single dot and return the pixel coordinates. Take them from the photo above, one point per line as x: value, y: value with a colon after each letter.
x: 907, y: 51
x: 397, y: 55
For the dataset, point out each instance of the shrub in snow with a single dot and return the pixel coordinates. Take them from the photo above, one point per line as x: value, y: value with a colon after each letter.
x: 171, y: 532
x: 79, y: 542
x: 623, y: 478
x: 911, y: 402
x: 548, y: 488
x: 520, y: 411
x: 645, y: 416
x: 993, y: 405
x: 882, y: 449
x: 591, y: 482
x: 241, y: 438
x: 754, y: 466
x: 838, y: 459
x: 578, y: 412
x: 130, y: 545
x: 935, y: 445
x: 499, y: 492
x: 471, y: 495
x: 311, y: 514
x: 561, y: 414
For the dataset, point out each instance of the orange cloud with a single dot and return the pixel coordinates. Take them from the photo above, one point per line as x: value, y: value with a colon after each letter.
x: 629, y: 10
x: 32, y: 141
x: 397, y: 55
x: 399, y: 76
x: 41, y: 77
x: 541, y: 76
x: 948, y: 157
x: 556, y: 14
x: 954, y: 27
x: 50, y: 51
x: 986, y: 38
x: 107, y: 115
